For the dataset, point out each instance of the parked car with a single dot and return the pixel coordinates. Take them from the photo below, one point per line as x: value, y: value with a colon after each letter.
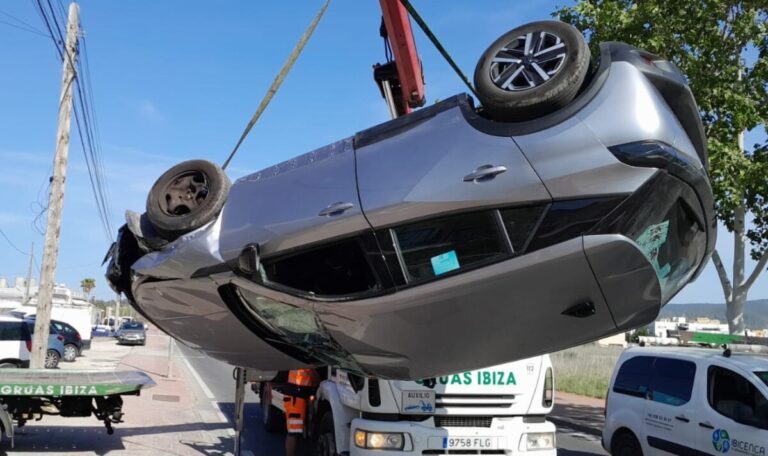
x: 571, y: 206
x: 101, y: 331
x: 55, y: 345
x: 687, y: 401
x: 16, y: 343
x: 132, y: 332
x: 73, y: 343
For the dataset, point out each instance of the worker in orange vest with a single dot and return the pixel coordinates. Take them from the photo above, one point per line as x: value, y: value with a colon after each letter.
x: 303, y: 384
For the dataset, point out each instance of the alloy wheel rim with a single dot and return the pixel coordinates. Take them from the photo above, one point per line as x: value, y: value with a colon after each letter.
x: 528, y: 61
x: 70, y: 353
x: 184, y: 193
x: 50, y: 360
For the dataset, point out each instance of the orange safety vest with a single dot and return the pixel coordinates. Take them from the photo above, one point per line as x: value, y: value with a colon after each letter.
x: 303, y: 377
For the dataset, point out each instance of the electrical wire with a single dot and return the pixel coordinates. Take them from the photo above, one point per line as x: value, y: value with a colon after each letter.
x: 33, y: 31
x: 12, y: 244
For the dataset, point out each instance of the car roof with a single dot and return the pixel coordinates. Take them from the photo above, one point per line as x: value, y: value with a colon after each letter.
x: 745, y: 361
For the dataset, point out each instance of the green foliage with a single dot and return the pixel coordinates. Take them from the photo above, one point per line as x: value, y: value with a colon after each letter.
x: 708, y: 40
x: 88, y: 284
x: 585, y: 370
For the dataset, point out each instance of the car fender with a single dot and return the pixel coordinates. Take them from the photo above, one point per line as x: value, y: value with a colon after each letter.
x: 342, y: 415
x: 624, y: 416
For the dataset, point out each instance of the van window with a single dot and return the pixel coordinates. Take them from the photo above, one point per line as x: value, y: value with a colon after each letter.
x: 735, y: 397
x: 10, y: 331
x: 672, y: 381
x: 634, y: 376
x: 439, y: 246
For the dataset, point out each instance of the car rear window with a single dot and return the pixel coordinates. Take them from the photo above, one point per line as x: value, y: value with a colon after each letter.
x: 133, y: 326
x: 11, y: 331
x: 672, y: 381
x: 762, y: 376
x: 634, y: 376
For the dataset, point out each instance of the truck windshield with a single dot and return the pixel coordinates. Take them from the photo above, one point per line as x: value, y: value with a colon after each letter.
x: 762, y: 376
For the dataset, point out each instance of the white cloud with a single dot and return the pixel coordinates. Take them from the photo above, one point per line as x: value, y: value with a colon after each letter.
x: 149, y: 111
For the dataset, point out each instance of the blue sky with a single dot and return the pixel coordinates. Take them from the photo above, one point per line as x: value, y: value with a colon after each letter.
x: 177, y: 80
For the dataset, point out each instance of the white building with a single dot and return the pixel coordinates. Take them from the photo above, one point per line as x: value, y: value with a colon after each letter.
x: 668, y: 327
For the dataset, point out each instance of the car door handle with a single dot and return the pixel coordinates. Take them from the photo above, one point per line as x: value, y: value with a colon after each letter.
x: 485, y: 172
x: 337, y: 208
x: 706, y: 425
x: 682, y: 418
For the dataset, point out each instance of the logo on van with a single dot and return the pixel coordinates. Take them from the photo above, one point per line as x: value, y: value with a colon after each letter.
x: 721, y: 440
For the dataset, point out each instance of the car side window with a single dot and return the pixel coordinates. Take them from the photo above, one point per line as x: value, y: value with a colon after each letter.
x: 735, y: 397
x: 435, y: 247
x: 672, y: 381
x: 634, y: 376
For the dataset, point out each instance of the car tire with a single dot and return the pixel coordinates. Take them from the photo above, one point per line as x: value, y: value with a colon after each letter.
x: 52, y: 358
x: 272, y: 417
x: 8, y: 365
x: 624, y: 443
x: 186, y: 197
x: 326, y: 437
x: 531, y: 71
x: 70, y: 353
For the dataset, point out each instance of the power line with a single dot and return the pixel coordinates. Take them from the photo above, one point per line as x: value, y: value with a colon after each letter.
x: 25, y: 24
x: 34, y: 32
x: 12, y: 244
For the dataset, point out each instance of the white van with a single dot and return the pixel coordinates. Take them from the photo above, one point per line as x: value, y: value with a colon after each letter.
x: 664, y: 400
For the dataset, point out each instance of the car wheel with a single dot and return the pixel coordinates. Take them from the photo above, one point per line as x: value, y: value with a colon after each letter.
x: 8, y: 365
x: 531, y: 71
x: 326, y: 437
x: 625, y: 443
x: 272, y: 417
x: 52, y: 359
x: 70, y: 353
x: 186, y: 197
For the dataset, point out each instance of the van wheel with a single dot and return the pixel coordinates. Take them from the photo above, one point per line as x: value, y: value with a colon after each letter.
x: 186, y: 197
x: 625, y: 444
x: 531, y: 71
x: 326, y: 437
x: 271, y: 416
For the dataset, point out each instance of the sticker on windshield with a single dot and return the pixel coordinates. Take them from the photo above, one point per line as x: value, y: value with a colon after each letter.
x: 445, y: 262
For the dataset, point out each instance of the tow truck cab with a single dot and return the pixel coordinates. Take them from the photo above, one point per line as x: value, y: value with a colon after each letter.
x: 496, y: 410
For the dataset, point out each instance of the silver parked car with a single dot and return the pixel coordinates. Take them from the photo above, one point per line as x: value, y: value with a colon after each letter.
x: 571, y: 206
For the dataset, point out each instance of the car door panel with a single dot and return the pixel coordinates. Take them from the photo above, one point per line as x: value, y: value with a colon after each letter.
x: 442, y: 165
x: 306, y: 200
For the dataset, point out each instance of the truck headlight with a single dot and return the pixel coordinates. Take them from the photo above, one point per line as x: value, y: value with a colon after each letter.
x: 379, y: 440
x: 538, y: 441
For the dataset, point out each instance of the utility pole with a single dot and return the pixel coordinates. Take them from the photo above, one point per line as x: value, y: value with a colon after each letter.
x: 29, y: 274
x: 117, y: 313
x: 56, y: 198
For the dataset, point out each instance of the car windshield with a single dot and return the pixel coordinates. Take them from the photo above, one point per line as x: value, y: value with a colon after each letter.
x: 133, y: 326
x: 762, y: 376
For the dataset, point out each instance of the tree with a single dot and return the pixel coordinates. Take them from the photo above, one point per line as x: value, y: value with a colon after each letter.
x: 722, y: 48
x: 87, y: 285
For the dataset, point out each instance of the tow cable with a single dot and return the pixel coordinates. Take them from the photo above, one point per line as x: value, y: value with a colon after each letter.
x: 278, y: 80
x: 425, y: 28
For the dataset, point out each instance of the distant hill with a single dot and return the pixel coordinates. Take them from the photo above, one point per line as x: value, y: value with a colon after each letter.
x: 755, y: 312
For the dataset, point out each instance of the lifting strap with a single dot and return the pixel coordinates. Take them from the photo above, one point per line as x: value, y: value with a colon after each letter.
x: 424, y: 28
x: 278, y: 80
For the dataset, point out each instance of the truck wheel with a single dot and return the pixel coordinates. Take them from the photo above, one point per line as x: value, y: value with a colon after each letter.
x: 326, y: 437
x: 52, y: 358
x: 531, y: 71
x: 70, y: 353
x: 186, y: 197
x: 271, y: 416
x: 625, y: 444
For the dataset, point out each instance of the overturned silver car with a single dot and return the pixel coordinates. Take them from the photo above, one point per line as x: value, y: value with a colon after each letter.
x: 449, y: 239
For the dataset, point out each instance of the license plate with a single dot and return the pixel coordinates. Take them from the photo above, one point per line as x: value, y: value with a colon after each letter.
x: 418, y: 402
x: 470, y: 443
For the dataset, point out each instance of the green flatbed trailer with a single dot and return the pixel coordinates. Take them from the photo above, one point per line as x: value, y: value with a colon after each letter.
x: 27, y: 394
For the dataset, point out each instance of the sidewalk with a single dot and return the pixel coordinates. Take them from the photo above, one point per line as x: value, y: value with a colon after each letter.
x: 580, y: 413
x: 170, y: 418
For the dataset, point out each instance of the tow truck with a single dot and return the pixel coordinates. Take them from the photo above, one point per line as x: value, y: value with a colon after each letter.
x: 31, y: 394
x: 498, y: 410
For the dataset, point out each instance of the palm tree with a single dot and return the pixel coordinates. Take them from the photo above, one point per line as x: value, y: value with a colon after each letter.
x: 87, y: 285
